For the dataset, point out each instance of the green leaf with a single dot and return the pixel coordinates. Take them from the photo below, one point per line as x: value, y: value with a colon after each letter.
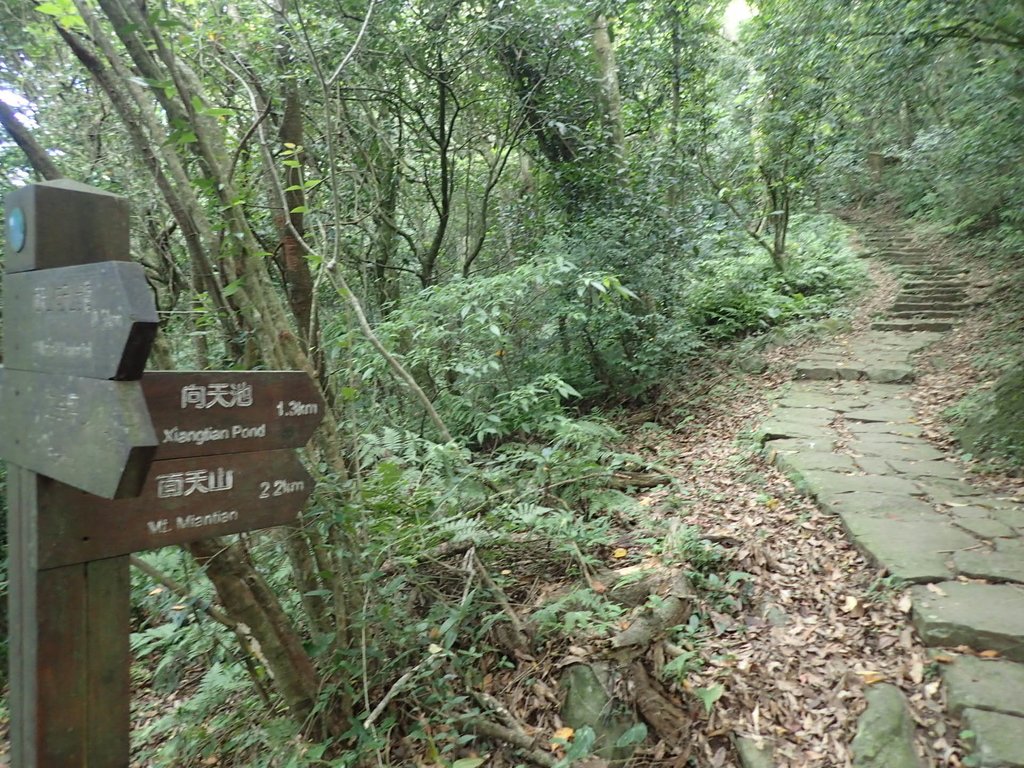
x: 469, y: 762
x: 50, y: 9
x: 634, y: 735
x: 299, y: 209
x: 708, y: 696
x: 232, y: 287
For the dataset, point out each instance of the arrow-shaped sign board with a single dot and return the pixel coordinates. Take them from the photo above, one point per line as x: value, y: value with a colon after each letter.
x: 91, y: 434
x: 93, y: 320
x: 215, y: 412
x: 182, y: 500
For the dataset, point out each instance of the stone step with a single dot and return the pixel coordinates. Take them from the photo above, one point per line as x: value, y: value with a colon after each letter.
x: 936, y: 271
x: 903, y: 260
x: 921, y: 295
x: 912, y: 325
x: 921, y: 257
x: 953, y: 284
x: 886, y: 239
x: 985, y: 617
x: 926, y: 306
x: 939, y: 267
x: 924, y: 314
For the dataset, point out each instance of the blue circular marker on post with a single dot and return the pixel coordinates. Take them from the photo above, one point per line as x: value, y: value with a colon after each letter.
x: 16, y: 229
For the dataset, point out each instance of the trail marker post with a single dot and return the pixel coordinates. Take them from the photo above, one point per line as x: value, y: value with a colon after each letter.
x: 105, y: 459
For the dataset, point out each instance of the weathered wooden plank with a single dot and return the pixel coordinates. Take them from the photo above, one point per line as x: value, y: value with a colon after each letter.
x: 20, y: 612
x: 107, y: 654
x: 95, y: 435
x: 214, y: 412
x: 182, y: 500
x: 93, y: 320
x: 62, y: 223
x: 59, y: 667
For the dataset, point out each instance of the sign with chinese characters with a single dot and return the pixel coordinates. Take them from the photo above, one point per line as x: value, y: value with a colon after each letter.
x: 215, y: 412
x: 93, y: 320
x: 92, y: 434
x: 91, y: 480
x: 182, y: 500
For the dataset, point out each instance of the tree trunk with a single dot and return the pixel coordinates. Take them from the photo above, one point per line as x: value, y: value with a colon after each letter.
x: 609, y: 97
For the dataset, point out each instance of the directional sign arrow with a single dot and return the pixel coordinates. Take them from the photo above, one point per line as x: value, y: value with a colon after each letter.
x: 214, y: 412
x: 94, y: 320
x: 182, y: 500
x: 95, y: 435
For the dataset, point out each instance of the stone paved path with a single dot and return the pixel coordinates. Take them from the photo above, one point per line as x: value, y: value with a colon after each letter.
x: 845, y: 433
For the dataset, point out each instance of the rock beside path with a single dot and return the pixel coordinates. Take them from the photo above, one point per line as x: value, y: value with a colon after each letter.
x: 885, y: 732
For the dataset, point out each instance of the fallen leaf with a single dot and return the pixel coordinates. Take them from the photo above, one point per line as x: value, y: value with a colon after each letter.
x: 905, y: 603
x: 870, y: 678
x: 917, y: 670
x: 560, y: 738
x: 620, y: 553
x: 990, y: 654
x: 849, y: 603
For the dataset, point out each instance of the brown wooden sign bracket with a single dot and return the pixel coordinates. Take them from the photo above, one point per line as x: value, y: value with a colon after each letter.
x: 105, y: 460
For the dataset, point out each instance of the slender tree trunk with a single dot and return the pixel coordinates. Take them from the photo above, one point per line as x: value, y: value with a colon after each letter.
x: 610, y: 98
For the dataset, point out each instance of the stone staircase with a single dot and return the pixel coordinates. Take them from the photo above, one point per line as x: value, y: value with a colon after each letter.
x: 847, y: 434
x: 933, y: 294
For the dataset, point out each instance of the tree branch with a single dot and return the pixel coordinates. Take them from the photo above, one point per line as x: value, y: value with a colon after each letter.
x: 37, y: 157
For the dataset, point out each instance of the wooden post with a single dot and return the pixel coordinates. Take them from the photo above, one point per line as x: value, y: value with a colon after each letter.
x: 90, y: 481
x: 69, y: 645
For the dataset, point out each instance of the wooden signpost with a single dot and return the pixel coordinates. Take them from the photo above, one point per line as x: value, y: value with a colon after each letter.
x: 105, y: 460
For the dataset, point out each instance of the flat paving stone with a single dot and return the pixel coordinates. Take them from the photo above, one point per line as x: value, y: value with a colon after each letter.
x: 943, y: 469
x: 983, y: 527
x: 817, y: 370
x: 891, y: 374
x: 1013, y: 517
x: 821, y: 483
x: 990, y: 565
x: 873, y: 465
x: 981, y: 616
x: 796, y: 444
x: 805, y: 461
x: 777, y: 430
x: 893, y: 449
x: 998, y: 739
x: 993, y: 684
x: 882, y: 505
x: 820, y: 399
x: 910, y: 550
x: 895, y: 411
x: 884, y: 428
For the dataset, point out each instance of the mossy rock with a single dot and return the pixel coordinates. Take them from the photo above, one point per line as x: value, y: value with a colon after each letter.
x: 991, y: 423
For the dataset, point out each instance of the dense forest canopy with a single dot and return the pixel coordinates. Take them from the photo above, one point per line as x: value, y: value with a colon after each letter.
x: 483, y: 227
